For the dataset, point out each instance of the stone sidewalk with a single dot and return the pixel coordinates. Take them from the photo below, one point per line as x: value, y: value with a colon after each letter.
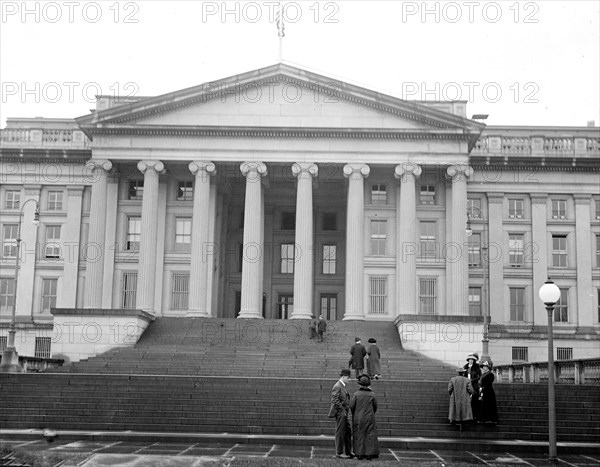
x: 183, y: 454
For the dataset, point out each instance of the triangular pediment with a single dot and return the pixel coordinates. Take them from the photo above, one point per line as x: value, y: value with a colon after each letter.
x: 280, y: 96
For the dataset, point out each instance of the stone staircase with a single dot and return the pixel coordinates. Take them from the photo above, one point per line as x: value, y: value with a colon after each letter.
x: 263, y: 377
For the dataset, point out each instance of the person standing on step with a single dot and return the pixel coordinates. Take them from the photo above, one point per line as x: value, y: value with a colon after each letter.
x: 312, y: 327
x: 373, y: 355
x: 460, y: 390
x: 340, y: 410
x: 321, y: 327
x: 363, y: 406
x: 488, y: 410
x: 357, y: 361
x: 474, y: 373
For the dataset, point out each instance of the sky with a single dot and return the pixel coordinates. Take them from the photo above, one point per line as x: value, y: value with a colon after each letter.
x: 520, y: 62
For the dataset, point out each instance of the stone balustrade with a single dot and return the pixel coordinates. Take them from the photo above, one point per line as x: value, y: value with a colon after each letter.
x: 539, y: 145
x: 44, y: 138
x: 586, y: 371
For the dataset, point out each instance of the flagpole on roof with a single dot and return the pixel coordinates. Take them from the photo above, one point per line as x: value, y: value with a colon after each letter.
x: 280, y: 29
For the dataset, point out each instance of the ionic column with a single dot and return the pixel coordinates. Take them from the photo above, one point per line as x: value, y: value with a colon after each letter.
x: 95, y: 249
x: 251, y: 306
x: 71, y: 248
x: 202, y: 171
x: 355, y: 220
x: 583, y: 242
x: 147, y: 256
x: 303, y: 267
x: 457, y: 251
x: 495, y: 285
x: 407, y: 250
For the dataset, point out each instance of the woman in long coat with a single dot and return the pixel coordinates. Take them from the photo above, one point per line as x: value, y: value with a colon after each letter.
x: 363, y: 405
x: 474, y: 373
x: 488, y: 410
x: 373, y: 355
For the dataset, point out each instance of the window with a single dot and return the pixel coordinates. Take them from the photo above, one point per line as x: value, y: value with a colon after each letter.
x: 288, y: 221
x: 185, y: 190
x: 329, y: 259
x: 378, y: 237
x: 474, y: 248
x: 427, y: 295
x: 517, y: 304
x: 427, y: 238
x: 597, y: 202
x: 55, y: 200
x: 13, y: 199
x: 474, y: 208
x: 515, y: 208
x: 427, y: 194
x: 378, y: 294
x: 378, y: 194
x: 285, y: 305
x: 559, y: 209
x: 3, y: 343
x: 134, y: 233
x: 7, y: 294
x: 128, y: 290
x: 520, y: 354
x: 49, y: 287
x: 329, y: 306
x: 136, y: 189
x: 564, y: 353
x: 329, y: 221
x: 598, y: 251
x: 183, y: 234
x: 9, y: 241
x: 515, y: 249
x: 287, y: 258
x: 180, y: 290
x: 559, y: 251
x: 42, y: 347
x: 52, y: 248
x: 561, y: 308
x: 474, y: 301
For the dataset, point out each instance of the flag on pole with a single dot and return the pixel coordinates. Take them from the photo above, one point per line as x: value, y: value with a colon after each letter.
x: 279, y: 21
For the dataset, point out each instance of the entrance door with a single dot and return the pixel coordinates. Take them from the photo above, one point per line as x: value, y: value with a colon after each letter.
x: 329, y: 306
x: 285, y: 306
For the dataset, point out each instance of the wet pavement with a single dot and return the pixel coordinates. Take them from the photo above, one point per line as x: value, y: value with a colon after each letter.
x: 183, y: 454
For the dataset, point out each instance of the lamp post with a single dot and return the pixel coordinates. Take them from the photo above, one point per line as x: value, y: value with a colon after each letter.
x: 10, y: 358
x: 485, y: 342
x: 550, y: 294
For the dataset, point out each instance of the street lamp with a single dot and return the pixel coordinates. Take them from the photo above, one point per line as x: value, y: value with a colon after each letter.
x: 550, y: 294
x: 485, y: 342
x: 10, y: 358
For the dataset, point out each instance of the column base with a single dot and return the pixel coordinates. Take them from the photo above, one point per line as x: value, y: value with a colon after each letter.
x: 302, y: 315
x: 10, y: 361
x: 354, y: 318
x: 248, y: 314
x: 197, y: 314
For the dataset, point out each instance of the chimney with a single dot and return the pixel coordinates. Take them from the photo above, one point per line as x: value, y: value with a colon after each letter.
x: 591, y: 123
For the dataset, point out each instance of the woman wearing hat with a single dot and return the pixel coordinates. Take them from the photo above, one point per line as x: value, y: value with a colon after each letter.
x: 474, y: 373
x: 488, y: 410
x: 363, y: 405
x: 373, y: 354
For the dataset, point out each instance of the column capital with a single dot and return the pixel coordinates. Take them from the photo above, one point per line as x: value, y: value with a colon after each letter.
x: 305, y: 169
x: 151, y: 167
x: 32, y: 189
x: 248, y: 168
x: 103, y: 164
x: 457, y: 173
x: 539, y: 198
x: 406, y: 169
x: 75, y: 190
x: 202, y: 167
x: 351, y: 170
x: 582, y: 199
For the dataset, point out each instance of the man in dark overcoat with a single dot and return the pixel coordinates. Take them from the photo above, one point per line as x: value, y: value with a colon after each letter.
x: 321, y: 327
x: 460, y: 390
x: 357, y: 360
x: 340, y: 408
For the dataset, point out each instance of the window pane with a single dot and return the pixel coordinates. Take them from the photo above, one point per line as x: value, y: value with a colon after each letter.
x: 329, y: 259
x: 287, y: 258
x: 378, y: 194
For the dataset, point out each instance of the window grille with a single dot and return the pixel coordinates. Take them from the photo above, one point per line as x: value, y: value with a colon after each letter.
x: 427, y: 295
x: 42, y: 347
x: 378, y: 294
x: 520, y: 354
x: 3, y: 343
x: 128, y: 290
x: 180, y: 290
x: 564, y: 353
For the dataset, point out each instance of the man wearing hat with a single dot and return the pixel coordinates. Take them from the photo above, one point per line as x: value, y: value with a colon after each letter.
x: 357, y: 361
x: 340, y: 406
x: 460, y: 390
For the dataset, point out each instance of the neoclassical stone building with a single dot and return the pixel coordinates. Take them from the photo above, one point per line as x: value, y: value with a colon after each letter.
x: 280, y: 193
